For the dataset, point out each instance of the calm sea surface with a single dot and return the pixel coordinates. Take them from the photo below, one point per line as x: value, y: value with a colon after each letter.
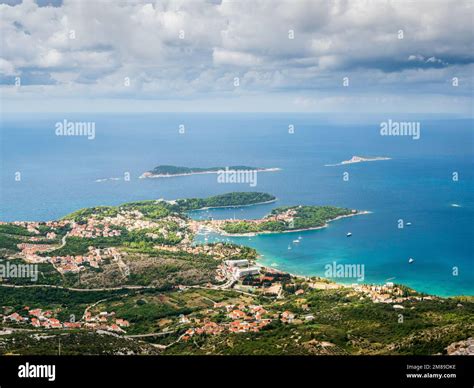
x: 59, y: 174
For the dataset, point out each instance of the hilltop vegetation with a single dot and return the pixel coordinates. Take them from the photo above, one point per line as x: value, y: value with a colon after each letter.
x: 15, y: 230
x: 157, y: 209
x: 98, y: 211
x: 224, y: 200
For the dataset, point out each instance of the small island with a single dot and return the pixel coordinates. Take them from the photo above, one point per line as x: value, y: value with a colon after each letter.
x: 167, y: 171
x: 284, y: 219
x: 359, y: 159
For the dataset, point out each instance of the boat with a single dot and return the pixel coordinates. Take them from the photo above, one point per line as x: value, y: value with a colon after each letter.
x: 300, y: 238
x: 289, y: 247
x: 410, y: 260
x: 296, y: 241
x: 349, y: 234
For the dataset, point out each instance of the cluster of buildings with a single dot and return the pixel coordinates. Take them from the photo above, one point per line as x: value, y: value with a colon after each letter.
x: 130, y: 220
x: 210, y: 328
x: 74, y: 264
x: 40, y: 319
x: 133, y: 220
x: 285, y: 216
x: 247, y: 319
x: 218, y: 250
x: 387, y: 293
x: 243, y: 318
x: 33, y: 226
x: 290, y: 317
x: 287, y: 317
x: 30, y: 252
x: 93, y: 228
x: 105, y: 321
x: 68, y: 263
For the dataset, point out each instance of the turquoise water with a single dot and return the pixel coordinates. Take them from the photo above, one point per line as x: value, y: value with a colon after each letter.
x: 59, y: 176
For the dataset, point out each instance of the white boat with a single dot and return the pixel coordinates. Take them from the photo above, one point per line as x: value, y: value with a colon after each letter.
x: 296, y: 241
x: 410, y: 260
x: 289, y: 247
x: 300, y: 238
x: 349, y: 234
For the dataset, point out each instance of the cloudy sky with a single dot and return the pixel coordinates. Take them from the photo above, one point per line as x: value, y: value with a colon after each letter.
x: 246, y: 55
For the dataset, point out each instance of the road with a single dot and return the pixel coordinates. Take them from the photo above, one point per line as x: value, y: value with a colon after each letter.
x: 80, y: 289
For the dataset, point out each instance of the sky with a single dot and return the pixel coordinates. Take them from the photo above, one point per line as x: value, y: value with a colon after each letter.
x: 352, y: 56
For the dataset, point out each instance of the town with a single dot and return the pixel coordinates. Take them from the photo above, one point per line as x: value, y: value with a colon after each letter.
x: 136, y: 272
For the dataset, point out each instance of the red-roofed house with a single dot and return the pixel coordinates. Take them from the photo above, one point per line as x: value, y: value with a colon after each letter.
x: 36, y: 312
x: 237, y: 314
x: 122, y: 322
x: 15, y: 317
x: 35, y: 322
x: 55, y: 323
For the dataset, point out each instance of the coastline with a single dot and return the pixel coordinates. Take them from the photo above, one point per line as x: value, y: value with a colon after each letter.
x: 330, y: 282
x: 333, y: 284
x: 252, y: 234
x: 339, y: 284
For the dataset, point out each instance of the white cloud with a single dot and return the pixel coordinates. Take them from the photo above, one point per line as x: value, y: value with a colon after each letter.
x: 190, y: 49
x: 6, y: 67
x: 226, y: 57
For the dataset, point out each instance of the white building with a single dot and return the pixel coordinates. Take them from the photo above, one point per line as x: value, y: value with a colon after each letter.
x: 237, y: 263
x: 241, y: 272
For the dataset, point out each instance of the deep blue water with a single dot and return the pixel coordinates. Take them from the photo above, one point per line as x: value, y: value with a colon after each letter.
x: 58, y: 176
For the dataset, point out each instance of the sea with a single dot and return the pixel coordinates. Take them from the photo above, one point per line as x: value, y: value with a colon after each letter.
x: 428, y: 183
